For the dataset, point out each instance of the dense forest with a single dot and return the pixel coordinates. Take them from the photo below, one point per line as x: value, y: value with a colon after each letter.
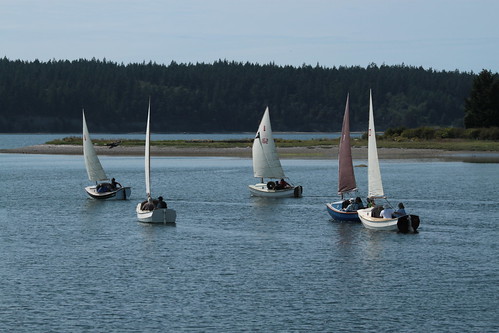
x: 223, y: 97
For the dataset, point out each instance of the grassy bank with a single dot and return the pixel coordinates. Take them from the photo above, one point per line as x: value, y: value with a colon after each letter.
x: 444, y: 144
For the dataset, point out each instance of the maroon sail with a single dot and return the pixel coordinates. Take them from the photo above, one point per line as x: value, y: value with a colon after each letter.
x: 346, y: 176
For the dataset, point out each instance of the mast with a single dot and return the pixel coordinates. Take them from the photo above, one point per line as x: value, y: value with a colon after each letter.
x: 148, y: 153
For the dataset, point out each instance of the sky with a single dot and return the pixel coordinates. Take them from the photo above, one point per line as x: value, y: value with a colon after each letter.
x: 445, y: 35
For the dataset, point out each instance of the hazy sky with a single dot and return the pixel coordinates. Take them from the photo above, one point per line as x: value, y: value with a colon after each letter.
x: 438, y: 34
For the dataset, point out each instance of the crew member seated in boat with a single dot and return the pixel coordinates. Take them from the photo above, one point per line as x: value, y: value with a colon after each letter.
x: 103, y: 187
x: 283, y: 184
x: 387, y: 212
x: 376, y: 211
x: 345, y: 204
x: 400, y: 211
x: 353, y: 206
x: 115, y: 184
x: 370, y: 203
x: 148, y: 205
x: 360, y: 204
x: 161, y: 203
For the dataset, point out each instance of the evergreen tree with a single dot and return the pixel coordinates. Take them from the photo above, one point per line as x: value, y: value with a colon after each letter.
x: 482, y: 106
x: 223, y: 96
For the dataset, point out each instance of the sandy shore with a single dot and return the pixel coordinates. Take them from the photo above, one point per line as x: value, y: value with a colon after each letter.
x: 292, y: 152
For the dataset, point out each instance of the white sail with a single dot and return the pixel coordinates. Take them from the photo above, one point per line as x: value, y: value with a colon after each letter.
x: 373, y: 172
x: 148, y: 153
x: 266, y: 163
x: 92, y: 163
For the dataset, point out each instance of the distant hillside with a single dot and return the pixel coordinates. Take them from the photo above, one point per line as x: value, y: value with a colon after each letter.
x: 223, y: 96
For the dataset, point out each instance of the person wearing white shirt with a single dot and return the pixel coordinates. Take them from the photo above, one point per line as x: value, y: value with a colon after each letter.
x: 387, y: 212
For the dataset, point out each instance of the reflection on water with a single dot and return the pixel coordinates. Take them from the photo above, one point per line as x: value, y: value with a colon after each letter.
x: 272, y: 203
x: 478, y: 158
x: 373, y: 245
x: 348, y: 233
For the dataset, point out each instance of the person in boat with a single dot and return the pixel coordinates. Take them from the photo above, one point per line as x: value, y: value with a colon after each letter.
x: 283, y: 184
x: 148, y: 205
x: 345, y: 204
x: 376, y: 211
x: 103, y: 188
x: 360, y: 204
x: 400, y: 211
x: 115, y: 184
x: 161, y: 203
x: 353, y: 206
x: 370, y: 203
x: 387, y: 212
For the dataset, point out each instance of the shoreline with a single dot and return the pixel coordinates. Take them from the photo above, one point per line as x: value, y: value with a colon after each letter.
x: 313, y: 152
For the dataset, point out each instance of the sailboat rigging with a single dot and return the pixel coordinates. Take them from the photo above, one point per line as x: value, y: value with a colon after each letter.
x: 370, y: 217
x: 104, y: 188
x: 266, y: 164
x: 152, y: 210
x: 345, y: 210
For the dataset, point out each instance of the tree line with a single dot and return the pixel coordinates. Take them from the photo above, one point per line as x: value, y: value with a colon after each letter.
x: 482, y: 105
x: 223, y: 96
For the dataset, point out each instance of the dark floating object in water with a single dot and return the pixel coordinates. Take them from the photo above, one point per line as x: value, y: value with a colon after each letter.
x: 408, y: 223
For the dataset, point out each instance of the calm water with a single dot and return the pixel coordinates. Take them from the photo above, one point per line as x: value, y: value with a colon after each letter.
x: 237, y: 263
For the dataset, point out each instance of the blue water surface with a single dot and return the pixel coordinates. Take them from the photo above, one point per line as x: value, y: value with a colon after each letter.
x: 238, y: 263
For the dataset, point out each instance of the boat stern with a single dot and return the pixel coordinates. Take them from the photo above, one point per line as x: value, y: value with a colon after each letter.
x: 376, y: 223
x: 335, y: 211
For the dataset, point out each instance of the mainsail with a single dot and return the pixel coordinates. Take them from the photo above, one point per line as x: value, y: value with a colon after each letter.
x: 147, y: 160
x: 373, y: 173
x: 92, y: 163
x: 266, y: 163
x: 346, y: 176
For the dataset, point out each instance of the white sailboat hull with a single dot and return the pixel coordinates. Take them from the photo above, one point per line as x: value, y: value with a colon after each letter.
x: 121, y: 193
x: 261, y: 190
x: 159, y: 215
x: 376, y: 223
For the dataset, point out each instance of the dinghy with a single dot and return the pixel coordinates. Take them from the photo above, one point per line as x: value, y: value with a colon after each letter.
x: 346, y: 176
x: 104, y: 188
x: 266, y: 164
x: 370, y: 217
x: 154, y: 213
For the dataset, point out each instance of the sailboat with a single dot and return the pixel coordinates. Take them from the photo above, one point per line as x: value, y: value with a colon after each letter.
x: 370, y: 217
x: 266, y: 164
x: 156, y: 214
x: 346, y: 175
x: 103, y: 188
